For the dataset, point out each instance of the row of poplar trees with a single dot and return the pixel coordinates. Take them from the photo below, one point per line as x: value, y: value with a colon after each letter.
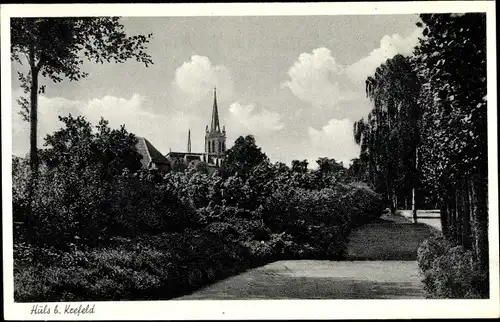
x: 424, y: 144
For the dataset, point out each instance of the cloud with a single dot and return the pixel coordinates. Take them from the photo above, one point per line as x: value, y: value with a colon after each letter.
x: 316, y: 78
x: 163, y: 130
x: 195, y: 79
x: 390, y: 45
x: 333, y: 140
x: 48, y: 122
x: 246, y: 119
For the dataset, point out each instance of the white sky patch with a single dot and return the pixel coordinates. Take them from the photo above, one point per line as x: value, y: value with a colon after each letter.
x: 165, y: 131
x: 316, y: 77
x: 196, y: 79
x: 263, y: 124
x: 247, y: 63
x: 390, y: 45
x: 333, y: 140
x: 246, y: 118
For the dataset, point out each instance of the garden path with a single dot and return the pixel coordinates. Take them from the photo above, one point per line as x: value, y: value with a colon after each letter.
x: 381, y: 264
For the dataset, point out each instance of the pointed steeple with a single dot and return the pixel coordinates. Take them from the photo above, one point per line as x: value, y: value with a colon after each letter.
x: 189, y: 141
x: 214, y: 126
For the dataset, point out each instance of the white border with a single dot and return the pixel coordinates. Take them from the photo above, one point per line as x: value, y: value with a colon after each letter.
x: 260, y: 309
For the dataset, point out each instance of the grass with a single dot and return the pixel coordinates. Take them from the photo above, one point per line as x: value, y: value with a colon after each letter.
x: 381, y: 264
x: 387, y: 240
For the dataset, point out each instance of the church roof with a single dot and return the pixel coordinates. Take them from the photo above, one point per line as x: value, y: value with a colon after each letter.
x: 149, y: 153
x: 182, y: 154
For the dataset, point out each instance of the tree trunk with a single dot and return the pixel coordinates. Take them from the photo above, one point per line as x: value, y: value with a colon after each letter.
x: 466, y: 232
x: 451, y: 216
x: 456, y: 219
x: 413, y: 190
x: 458, y: 214
x: 394, y: 201
x: 34, y: 164
x: 413, y: 206
x: 480, y: 220
x: 34, y: 122
x: 444, y: 219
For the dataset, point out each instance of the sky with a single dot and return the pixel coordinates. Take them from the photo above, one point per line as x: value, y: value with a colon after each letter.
x: 295, y: 83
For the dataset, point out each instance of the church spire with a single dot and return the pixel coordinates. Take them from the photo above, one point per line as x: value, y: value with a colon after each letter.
x: 214, y: 126
x: 189, y: 141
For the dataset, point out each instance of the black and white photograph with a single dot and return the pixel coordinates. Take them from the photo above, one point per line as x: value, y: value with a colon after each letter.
x: 206, y: 154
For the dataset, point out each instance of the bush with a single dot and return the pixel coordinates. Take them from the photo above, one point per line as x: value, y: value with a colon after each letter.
x: 450, y: 271
x: 146, y: 267
x: 223, y: 230
x: 69, y: 205
x: 105, y: 229
x: 319, y: 221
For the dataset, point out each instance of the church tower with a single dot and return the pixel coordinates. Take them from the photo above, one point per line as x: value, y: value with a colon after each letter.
x: 215, y: 139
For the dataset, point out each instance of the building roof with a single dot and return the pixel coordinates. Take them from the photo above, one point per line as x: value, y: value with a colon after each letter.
x: 149, y: 153
x: 182, y: 154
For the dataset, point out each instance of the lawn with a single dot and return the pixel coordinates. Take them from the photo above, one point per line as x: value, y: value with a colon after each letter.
x: 381, y: 264
x: 387, y: 240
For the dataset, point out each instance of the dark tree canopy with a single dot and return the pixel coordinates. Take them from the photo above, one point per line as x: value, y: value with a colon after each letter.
x: 78, y: 146
x: 451, y: 62
x: 389, y: 136
x: 299, y: 166
x: 243, y: 157
x: 56, y: 48
x: 330, y: 166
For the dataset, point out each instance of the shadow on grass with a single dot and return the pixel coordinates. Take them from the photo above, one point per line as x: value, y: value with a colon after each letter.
x: 385, y: 240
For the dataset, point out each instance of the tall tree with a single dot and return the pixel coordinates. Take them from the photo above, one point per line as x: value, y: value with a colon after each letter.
x: 330, y: 166
x: 452, y: 65
x: 55, y: 48
x: 389, y: 137
x: 357, y: 170
x: 299, y: 166
x: 243, y: 157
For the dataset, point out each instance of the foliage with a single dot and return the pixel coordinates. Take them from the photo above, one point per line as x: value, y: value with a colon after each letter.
x: 198, y: 166
x: 330, y: 166
x: 20, y: 179
x: 428, y: 128
x: 178, y: 165
x: 451, y: 63
x: 107, y: 229
x: 299, y: 166
x: 53, y: 47
x: 92, y: 188
x: 449, y: 271
x: 389, y: 137
x: 77, y: 146
x: 147, y: 267
x: 242, y: 157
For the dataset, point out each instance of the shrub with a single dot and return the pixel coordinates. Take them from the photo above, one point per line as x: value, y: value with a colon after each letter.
x: 20, y: 180
x: 260, y: 251
x: 450, y: 271
x: 146, y: 267
x: 217, y: 213
x: 106, y: 229
x: 222, y: 229
x: 82, y: 205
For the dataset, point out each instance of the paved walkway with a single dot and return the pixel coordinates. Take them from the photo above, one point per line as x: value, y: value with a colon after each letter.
x: 381, y: 265
x: 429, y: 217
